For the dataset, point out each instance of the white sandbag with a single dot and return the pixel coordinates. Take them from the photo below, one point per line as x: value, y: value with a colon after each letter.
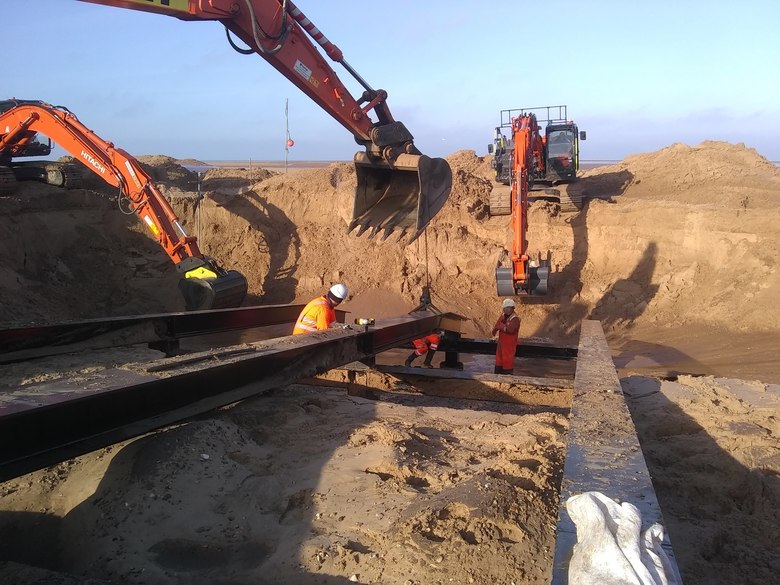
x: 610, y: 549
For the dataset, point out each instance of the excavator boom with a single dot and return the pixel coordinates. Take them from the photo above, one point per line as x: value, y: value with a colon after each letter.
x: 399, y: 189
x: 205, y: 284
x: 528, y: 158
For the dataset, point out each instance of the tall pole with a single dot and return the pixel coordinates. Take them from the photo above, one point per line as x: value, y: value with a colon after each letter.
x: 286, y: 134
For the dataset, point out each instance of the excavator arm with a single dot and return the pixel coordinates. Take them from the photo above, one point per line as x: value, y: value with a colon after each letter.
x: 205, y: 285
x: 520, y: 276
x: 398, y: 188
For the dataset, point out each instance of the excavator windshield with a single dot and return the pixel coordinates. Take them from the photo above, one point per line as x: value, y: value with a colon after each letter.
x: 560, y: 143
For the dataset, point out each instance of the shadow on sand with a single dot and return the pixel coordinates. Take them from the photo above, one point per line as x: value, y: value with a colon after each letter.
x: 625, y: 300
x: 283, y: 245
x: 723, y: 518
x: 255, y: 511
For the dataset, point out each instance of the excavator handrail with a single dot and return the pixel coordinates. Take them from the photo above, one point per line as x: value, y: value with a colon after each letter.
x: 544, y: 114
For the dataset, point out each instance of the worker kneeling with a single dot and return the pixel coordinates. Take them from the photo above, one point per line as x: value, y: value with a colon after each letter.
x: 508, y: 329
x: 426, y: 346
x: 320, y: 313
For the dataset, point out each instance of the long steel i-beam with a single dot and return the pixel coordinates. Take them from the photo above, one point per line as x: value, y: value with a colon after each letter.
x: 57, y: 423
x: 21, y: 343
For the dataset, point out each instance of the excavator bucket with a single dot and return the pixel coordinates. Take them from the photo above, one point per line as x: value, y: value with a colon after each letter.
x: 201, y: 294
x: 401, y: 198
x: 538, y: 279
x: 534, y: 282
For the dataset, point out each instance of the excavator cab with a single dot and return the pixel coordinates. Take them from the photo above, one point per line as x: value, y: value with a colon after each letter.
x: 563, y: 151
x: 30, y: 143
x: 403, y: 196
x: 16, y: 144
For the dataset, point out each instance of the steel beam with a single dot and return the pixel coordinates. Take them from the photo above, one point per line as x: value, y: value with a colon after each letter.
x: 54, y: 422
x: 27, y: 342
x: 525, y: 349
x: 603, y: 453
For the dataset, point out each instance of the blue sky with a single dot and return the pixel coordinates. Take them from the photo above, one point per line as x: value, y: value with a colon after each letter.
x: 637, y: 76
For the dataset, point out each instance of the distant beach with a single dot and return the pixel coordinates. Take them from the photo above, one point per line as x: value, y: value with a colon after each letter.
x: 271, y: 165
x: 278, y: 165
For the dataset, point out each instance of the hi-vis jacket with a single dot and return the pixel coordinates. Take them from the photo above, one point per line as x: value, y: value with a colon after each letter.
x: 316, y: 316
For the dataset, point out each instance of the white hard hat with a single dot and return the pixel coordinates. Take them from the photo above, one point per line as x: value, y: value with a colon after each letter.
x: 339, y: 291
x: 508, y: 303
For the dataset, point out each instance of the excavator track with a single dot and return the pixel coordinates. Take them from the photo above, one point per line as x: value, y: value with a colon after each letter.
x: 66, y: 175
x: 570, y: 203
x: 57, y: 174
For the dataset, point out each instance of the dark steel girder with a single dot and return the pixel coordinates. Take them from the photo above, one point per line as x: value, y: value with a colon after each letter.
x: 41, y: 430
x: 525, y: 349
x: 25, y: 342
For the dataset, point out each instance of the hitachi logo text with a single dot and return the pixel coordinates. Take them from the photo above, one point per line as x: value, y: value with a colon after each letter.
x: 93, y: 162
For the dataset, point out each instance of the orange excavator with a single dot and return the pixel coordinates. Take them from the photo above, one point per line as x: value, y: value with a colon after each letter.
x: 398, y: 188
x: 516, y: 273
x: 560, y: 160
x: 205, y: 284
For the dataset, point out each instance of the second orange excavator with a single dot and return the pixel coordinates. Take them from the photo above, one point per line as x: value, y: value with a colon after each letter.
x: 529, y: 157
x: 522, y: 275
x: 24, y: 123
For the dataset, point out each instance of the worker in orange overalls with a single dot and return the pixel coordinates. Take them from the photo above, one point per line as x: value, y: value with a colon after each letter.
x: 426, y: 346
x: 508, y: 329
x: 320, y: 313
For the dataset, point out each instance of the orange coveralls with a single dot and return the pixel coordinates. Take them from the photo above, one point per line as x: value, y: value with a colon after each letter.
x: 508, y: 329
x: 316, y: 316
x: 421, y: 345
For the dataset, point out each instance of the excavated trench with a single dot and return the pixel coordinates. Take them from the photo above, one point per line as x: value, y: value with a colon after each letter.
x: 674, y: 252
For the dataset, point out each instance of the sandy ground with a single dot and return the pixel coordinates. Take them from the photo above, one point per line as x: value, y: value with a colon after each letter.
x: 306, y: 482
x: 675, y: 253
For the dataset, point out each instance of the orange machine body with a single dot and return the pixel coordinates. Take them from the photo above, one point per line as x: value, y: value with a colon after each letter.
x: 528, y: 161
x: 205, y: 284
x: 113, y: 165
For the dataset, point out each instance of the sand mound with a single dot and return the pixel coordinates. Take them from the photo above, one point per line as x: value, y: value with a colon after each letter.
x: 713, y: 173
x: 683, y: 235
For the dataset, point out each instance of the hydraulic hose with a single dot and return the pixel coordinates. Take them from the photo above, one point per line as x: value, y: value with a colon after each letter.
x: 258, y: 32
